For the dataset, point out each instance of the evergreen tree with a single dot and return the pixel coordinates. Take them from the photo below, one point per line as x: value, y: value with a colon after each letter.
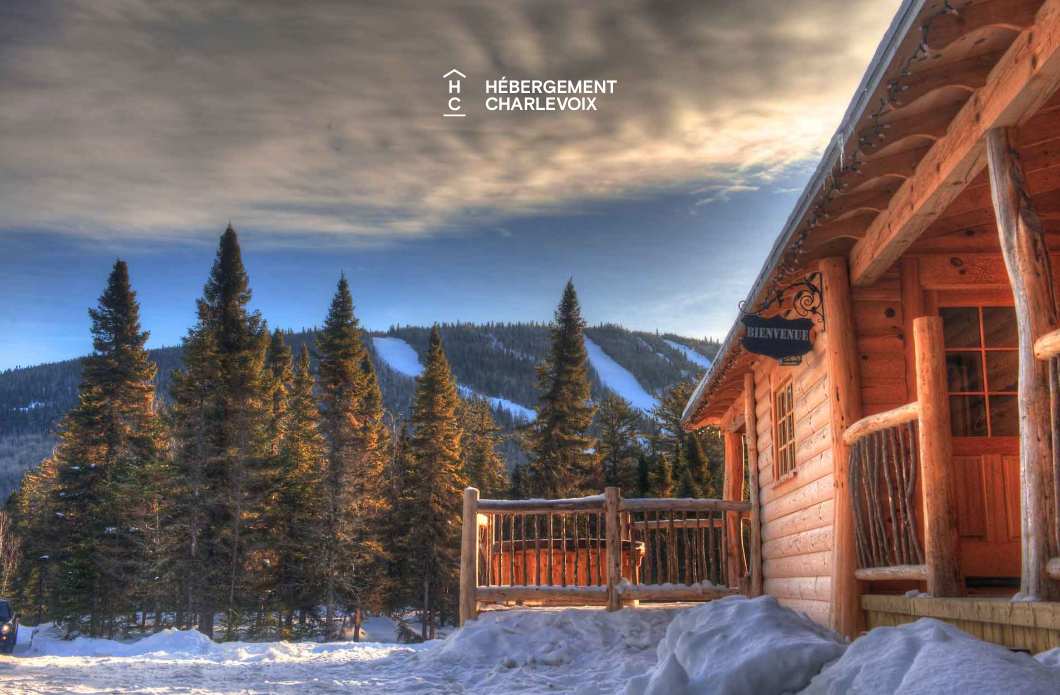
x: 483, y: 466
x: 104, y: 444
x: 436, y: 484
x: 618, y: 447
x: 561, y: 461
x: 220, y: 411
x: 298, y: 540
x: 354, y: 564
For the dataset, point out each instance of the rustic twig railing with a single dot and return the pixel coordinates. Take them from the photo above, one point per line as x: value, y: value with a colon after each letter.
x: 889, y: 451
x: 883, y: 473
x: 1047, y: 348
x: 601, y: 550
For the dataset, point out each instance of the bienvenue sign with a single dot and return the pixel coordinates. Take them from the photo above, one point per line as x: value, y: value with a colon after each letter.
x: 777, y: 337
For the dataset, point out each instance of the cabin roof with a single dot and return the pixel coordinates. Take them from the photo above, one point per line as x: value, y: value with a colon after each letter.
x: 913, y: 103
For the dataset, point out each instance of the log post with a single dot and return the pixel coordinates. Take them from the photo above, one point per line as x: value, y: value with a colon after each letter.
x: 751, y: 443
x: 613, y: 528
x: 936, y: 460
x: 844, y: 390
x: 1030, y: 274
x: 469, y: 557
x: 732, y: 489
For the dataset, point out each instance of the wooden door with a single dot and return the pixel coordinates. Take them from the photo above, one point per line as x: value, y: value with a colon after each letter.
x: 988, y: 506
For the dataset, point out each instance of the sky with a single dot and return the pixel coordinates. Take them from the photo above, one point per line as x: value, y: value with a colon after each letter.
x: 139, y: 129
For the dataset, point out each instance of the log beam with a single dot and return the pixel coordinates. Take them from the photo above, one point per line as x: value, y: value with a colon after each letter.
x: 1030, y: 272
x: 844, y: 383
x: 613, y: 528
x: 941, y: 546
x: 1021, y: 82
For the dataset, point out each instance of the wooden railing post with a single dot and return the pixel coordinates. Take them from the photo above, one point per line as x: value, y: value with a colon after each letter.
x: 732, y: 489
x: 750, y: 419
x: 1026, y: 257
x: 936, y: 460
x: 469, y: 557
x: 612, y: 499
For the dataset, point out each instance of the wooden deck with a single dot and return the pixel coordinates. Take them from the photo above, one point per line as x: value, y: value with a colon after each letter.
x: 1030, y: 626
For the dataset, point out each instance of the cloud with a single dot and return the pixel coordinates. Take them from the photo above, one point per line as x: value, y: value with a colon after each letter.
x: 135, y: 118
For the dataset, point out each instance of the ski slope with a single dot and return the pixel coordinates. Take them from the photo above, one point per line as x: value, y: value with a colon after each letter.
x: 402, y: 358
x: 690, y: 354
x: 618, y: 379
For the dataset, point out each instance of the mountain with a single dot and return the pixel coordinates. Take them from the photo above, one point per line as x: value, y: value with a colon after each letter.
x: 494, y: 360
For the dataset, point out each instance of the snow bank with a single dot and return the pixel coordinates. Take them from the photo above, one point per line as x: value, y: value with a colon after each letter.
x: 398, y: 355
x: 928, y: 657
x: 553, y: 650
x: 738, y: 646
x: 46, y: 642
x: 617, y: 378
x: 690, y: 354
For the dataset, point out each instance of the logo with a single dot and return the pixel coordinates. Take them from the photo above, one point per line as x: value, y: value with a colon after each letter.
x: 455, y: 79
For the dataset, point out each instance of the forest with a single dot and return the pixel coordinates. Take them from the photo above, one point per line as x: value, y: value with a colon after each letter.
x: 257, y: 483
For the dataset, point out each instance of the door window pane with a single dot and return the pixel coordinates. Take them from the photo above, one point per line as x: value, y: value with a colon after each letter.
x: 1002, y: 370
x: 968, y: 416
x: 999, y: 326
x: 960, y: 327
x: 964, y: 372
x: 1004, y: 416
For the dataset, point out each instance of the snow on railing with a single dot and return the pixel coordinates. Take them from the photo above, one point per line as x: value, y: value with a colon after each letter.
x: 599, y: 549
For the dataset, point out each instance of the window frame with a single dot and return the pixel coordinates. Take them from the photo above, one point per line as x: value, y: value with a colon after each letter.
x: 784, y: 461
x: 981, y: 352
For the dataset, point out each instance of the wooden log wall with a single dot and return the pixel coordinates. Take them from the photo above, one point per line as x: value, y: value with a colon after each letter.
x: 797, y: 511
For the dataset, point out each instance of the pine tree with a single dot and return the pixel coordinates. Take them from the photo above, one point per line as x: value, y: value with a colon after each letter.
x: 483, y: 466
x: 354, y: 563
x: 105, y: 442
x: 561, y: 462
x: 298, y: 518
x: 221, y: 404
x: 436, y: 484
x: 618, y: 447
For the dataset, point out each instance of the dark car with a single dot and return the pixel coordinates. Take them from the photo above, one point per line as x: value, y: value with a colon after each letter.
x: 8, y: 628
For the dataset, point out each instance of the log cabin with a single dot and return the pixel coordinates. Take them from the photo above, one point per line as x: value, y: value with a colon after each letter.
x: 906, y: 465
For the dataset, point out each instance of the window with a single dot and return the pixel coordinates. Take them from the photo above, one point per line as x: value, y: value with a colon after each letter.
x: 784, y: 429
x: 982, y: 366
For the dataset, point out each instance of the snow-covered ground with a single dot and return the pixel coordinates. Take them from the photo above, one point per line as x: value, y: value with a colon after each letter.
x: 690, y: 354
x: 402, y: 358
x: 734, y: 646
x: 619, y: 379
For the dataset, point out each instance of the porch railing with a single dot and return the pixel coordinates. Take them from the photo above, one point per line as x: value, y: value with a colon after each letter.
x: 601, y: 549
x: 892, y: 454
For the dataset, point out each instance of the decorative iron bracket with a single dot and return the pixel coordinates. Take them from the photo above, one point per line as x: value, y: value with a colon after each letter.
x: 807, y: 301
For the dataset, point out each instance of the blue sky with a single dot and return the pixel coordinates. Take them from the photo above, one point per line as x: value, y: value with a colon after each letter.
x: 139, y: 128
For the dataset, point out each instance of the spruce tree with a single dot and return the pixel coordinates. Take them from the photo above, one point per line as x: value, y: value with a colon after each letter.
x: 561, y: 458
x: 353, y: 562
x: 220, y: 411
x: 105, y: 442
x: 618, y: 446
x: 483, y: 466
x: 436, y: 483
x: 298, y: 518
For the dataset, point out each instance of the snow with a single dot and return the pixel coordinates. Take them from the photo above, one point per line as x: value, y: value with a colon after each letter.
x: 732, y: 646
x: 402, y: 358
x: 617, y: 378
x: 398, y: 355
x: 738, y: 646
x: 690, y: 354
x: 928, y: 657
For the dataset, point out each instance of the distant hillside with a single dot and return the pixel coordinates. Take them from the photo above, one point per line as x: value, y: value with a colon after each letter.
x: 496, y: 360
